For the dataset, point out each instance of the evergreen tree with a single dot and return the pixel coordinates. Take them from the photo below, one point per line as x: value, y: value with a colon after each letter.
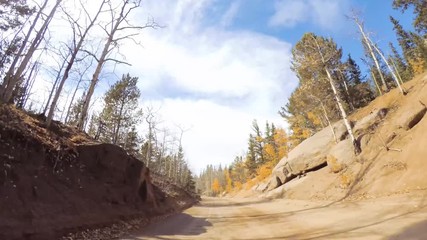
x: 404, y: 70
x: 251, y: 161
x: 420, y: 63
x: 13, y: 13
x: 12, y: 16
x: 420, y: 11
x: 312, y: 105
x: 405, y: 40
x: 360, y: 91
x: 315, y: 58
x: 371, y: 58
x: 131, y: 141
x: 121, y: 112
x: 75, y: 111
x: 258, y: 144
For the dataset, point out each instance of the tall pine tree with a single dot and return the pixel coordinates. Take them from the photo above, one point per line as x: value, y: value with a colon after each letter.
x: 121, y: 112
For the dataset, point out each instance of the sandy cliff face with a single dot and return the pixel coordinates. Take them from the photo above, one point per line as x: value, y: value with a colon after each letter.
x: 392, y: 132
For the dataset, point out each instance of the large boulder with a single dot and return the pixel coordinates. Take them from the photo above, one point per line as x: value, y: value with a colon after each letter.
x: 309, y: 154
x: 321, y: 148
x: 340, y: 155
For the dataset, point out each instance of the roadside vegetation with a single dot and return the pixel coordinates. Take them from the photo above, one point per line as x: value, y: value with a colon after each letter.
x: 331, y: 87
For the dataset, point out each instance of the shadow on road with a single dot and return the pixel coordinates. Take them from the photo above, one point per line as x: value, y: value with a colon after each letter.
x: 173, y: 226
x: 416, y: 231
x: 226, y: 203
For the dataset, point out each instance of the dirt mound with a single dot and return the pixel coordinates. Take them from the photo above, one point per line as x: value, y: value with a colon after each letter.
x: 57, y: 181
x: 391, y: 131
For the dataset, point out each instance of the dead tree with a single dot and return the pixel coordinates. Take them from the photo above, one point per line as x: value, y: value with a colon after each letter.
x: 79, y: 36
x: 325, y: 114
x: 82, y: 75
x: 117, y: 29
x: 152, y: 123
x: 55, y: 83
x: 390, y: 69
x: 26, y: 89
x: 13, y: 77
x: 367, y: 42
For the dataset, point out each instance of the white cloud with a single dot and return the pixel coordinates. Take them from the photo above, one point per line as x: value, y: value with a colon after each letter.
x: 215, y: 81
x: 230, y: 14
x: 288, y: 13
x: 328, y: 14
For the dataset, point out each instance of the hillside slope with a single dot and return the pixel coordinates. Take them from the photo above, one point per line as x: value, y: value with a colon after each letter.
x: 59, y: 181
x: 392, y: 132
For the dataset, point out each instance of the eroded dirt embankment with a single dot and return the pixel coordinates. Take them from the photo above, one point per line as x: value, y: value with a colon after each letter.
x: 49, y: 185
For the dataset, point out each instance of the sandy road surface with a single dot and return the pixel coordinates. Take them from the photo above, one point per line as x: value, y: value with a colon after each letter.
x: 399, y: 217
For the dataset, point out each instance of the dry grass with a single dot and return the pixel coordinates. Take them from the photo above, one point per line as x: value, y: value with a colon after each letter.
x: 250, y: 183
x: 79, y: 139
x: 334, y: 165
x: 346, y: 179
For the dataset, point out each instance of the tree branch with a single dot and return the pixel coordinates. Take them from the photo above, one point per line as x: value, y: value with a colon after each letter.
x: 117, y: 61
x: 91, y: 54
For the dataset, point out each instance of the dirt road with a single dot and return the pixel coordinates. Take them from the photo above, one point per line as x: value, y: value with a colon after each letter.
x: 399, y: 217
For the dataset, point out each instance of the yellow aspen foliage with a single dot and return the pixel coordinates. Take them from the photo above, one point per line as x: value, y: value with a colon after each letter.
x: 238, y: 185
x: 270, y: 153
x: 216, y: 186
x: 282, y: 143
x: 314, y: 119
x: 229, y: 182
x: 250, y: 183
x: 264, y: 171
x: 418, y: 65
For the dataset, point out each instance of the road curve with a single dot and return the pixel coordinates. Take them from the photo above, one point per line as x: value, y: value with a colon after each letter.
x: 399, y: 217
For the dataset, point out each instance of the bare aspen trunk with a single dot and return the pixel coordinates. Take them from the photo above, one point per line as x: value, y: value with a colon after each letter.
x: 101, y: 61
x: 148, y: 155
x: 31, y: 84
x: 349, y: 96
x: 117, y: 18
x: 94, y: 81
x: 329, y: 122
x: 52, y: 91
x: 397, y: 72
x: 391, y: 70
x: 340, y: 106
x: 72, y: 99
x: 376, y: 83
x: 347, y: 91
x: 151, y: 127
x: 356, y: 145
x: 21, y: 100
x: 86, y: 102
x: 371, y: 51
x: 69, y: 66
x: 36, y: 42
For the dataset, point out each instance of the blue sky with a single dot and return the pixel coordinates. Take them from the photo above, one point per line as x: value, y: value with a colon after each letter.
x: 254, y: 15
x: 219, y: 64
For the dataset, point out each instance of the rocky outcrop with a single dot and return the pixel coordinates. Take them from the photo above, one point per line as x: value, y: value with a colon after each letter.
x: 309, y: 154
x: 321, y: 149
